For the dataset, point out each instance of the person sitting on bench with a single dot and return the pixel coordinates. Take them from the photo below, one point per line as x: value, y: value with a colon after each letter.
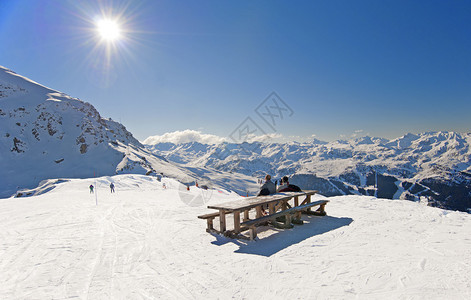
x: 267, y: 188
x: 287, y: 187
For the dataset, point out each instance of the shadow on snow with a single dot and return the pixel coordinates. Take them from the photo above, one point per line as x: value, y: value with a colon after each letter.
x: 283, y: 238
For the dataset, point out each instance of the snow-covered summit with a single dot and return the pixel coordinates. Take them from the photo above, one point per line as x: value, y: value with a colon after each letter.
x: 47, y: 134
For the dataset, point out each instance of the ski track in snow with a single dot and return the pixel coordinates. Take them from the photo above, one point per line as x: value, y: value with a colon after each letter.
x: 145, y: 243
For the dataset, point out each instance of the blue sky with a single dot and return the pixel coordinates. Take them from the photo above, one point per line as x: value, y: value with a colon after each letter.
x: 382, y: 68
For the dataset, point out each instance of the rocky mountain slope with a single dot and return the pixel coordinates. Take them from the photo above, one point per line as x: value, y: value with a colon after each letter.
x: 433, y: 167
x: 46, y: 134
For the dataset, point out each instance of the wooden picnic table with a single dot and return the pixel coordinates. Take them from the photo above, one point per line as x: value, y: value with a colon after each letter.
x: 277, y: 204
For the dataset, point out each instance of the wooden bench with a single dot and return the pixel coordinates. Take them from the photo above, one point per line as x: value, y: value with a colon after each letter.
x: 297, y: 210
x: 278, y: 206
x: 209, y: 218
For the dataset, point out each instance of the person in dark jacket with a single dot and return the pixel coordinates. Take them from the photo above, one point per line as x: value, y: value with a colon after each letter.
x: 287, y: 187
x: 268, y: 187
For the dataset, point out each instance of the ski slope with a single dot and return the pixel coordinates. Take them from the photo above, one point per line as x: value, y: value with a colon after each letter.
x: 145, y: 242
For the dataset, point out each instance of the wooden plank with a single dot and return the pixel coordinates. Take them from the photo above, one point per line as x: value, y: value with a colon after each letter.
x: 243, y: 204
x: 322, y: 208
x: 284, y: 205
x: 253, y: 233
x: 319, y: 212
x: 211, y: 215
x: 222, y: 220
x: 210, y: 224
x: 246, y: 215
x: 285, y: 212
x: 287, y: 220
x: 308, y: 198
x: 251, y: 202
x: 311, y: 192
x: 258, y: 210
x: 237, y: 221
x: 251, y: 225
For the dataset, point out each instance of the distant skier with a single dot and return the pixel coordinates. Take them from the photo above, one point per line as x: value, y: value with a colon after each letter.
x: 91, y: 188
x: 164, y: 186
x: 112, y: 187
x: 187, y: 187
x: 196, y: 183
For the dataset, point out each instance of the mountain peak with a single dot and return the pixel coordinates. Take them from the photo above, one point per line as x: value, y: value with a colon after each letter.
x: 47, y: 134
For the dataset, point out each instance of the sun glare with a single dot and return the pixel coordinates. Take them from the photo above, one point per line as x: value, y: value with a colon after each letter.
x: 108, y: 30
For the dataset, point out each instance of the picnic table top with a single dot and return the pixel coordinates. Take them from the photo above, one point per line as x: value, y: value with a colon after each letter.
x: 251, y: 202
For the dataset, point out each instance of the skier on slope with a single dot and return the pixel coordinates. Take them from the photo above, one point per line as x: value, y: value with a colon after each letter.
x: 112, y: 187
x: 91, y: 188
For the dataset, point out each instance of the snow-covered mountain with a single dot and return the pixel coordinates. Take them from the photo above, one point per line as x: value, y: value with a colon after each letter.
x: 433, y: 166
x: 47, y: 134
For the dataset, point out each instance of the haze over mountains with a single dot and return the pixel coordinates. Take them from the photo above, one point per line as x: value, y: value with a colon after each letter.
x: 45, y: 134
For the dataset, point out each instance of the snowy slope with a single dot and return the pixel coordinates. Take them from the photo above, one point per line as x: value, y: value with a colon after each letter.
x: 45, y: 134
x: 433, y: 165
x: 145, y: 242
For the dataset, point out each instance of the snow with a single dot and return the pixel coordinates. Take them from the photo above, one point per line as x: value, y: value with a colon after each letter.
x: 45, y: 134
x: 145, y: 242
x: 438, y: 163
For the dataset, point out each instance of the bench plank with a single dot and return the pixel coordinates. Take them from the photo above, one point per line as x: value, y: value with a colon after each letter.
x: 211, y: 215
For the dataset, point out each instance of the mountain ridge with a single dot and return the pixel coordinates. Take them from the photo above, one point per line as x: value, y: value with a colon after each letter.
x: 429, y: 166
x: 46, y: 134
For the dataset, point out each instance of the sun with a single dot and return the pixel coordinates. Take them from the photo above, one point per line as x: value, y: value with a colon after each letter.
x: 108, y: 30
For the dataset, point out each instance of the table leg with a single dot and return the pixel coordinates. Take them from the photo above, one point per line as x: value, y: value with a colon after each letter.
x: 308, y: 200
x: 288, y: 221
x: 259, y: 211
x: 246, y: 215
x: 284, y: 205
x: 237, y: 222
x: 222, y: 221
